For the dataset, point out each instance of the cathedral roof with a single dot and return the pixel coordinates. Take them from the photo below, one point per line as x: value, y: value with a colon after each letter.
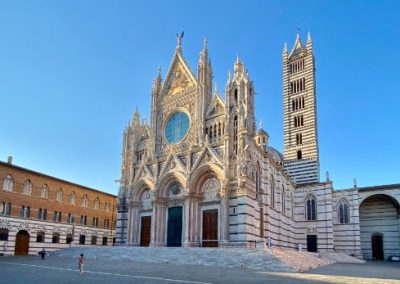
x: 276, y: 155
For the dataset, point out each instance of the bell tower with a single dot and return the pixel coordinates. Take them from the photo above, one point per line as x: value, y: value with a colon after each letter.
x: 301, y: 155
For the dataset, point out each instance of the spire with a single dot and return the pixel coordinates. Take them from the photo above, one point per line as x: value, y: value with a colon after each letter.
x: 285, y: 47
x: 238, y: 67
x: 205, y: 44
x: 260, y: 125
x: 216, y: 91
x: 309, y: 38
x: 237, y: 59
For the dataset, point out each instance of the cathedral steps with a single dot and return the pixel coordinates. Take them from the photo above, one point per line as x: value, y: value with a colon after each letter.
x: 219, y: 257
x: 302, y: 261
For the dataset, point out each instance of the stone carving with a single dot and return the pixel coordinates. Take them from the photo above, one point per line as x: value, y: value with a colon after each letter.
x: 211, y: 189
x: 5, y: 224
x: 41, y: 228
x: 175, y: 190
x: 24, y: 226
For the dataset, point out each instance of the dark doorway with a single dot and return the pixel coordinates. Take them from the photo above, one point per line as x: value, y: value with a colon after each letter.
x: 69, y: 239
x: 145, y: 231
x: 174, y: 231
x: 82, y: 239
x: 377, y: 247
x: 210, y: 228
x: 312, y: 243
x: 22, y: 243
x: 93, y: 241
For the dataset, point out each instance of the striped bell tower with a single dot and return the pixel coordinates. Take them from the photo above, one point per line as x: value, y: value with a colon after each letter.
x: 301, y: 155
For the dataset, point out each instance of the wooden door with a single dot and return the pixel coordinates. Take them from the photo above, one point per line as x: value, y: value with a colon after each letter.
x: 210, y: 228
x: 377, y: 247
x: 145, y: 231
x: 174, y: 230
x: 22, y: 243
x: 312, y: 243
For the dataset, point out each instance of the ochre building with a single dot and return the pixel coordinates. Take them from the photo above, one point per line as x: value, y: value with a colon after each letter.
x: 39, y: 211
x: 202, y: 173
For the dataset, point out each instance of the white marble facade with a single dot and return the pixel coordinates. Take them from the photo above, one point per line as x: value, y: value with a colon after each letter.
x: 202, y: 174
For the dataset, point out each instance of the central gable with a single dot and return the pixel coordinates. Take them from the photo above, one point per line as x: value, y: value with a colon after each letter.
x: 179, y: 77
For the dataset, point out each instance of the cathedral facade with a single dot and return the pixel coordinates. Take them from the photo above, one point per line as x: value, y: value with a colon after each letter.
x: 201, y: 173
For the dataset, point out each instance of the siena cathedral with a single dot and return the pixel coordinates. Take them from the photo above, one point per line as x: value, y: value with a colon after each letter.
x: 203, y: 174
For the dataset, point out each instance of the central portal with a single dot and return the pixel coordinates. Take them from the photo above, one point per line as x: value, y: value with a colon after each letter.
x: 174, y: 231
x: 210, y: 228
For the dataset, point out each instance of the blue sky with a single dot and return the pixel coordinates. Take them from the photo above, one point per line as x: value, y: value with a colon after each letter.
x: 73, y: 72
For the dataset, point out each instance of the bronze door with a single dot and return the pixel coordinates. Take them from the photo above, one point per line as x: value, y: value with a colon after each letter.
x: 210, y: 228
x: 145, y: 231
x: 22, y: 243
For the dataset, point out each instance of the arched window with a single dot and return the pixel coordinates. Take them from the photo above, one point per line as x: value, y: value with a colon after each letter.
x: 8, y: 183
x: 235, y: 134
x: 283, y: 200
x: 3, y: 234
x: 72, y: 198
x: 69, y: 239
x: 272, y: 192
x: 82, y: 239
x: 236, y: 96
x: 299, y: 155
x: 25, y: 211
x: 27, y: 187
x: 343, y: 212
x: 311, y: 208
x: 96, y: 203
x: 45, y: 191
x: 59, y: 195
x: 40, y: 237
x: 56, y: 238
x: 85, y: 200
x: 93, y: 241
x: 40, y: 214
x: 258, y: 183
x: 107, y: 205
x: 7, y: 209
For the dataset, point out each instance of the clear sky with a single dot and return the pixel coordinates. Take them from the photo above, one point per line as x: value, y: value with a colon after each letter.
x: 73, y: 72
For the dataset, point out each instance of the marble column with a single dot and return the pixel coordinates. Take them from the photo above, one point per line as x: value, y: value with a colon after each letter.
x: 158, y: 224
x: 224, y: 221
x: 133, y: 221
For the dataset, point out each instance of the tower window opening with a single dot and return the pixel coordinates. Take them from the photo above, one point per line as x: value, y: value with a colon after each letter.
x: 299, y: 139
x: 299, y: 155
x: 236, y: 96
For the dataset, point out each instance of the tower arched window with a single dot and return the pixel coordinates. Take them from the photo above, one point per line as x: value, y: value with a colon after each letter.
x: 299, y: 155
x: 8, y: 183
x: 311, y: 208
x: 27, y: 187
x: 343, y: 212
x: 236, y: 96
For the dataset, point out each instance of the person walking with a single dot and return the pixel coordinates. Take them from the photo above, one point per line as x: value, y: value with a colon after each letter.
x: 43, y: 253
x: 81, y: 262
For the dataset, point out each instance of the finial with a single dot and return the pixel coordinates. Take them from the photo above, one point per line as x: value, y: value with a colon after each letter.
x: 308, y: 36
x: 205, y: 43
x: 159, y: 70
x: 297, y: 36
x: 237, y: 58
x: 285, y: 47
x: 179, y: 39
x: 260, y: 125
x: 355, y: 183
x: 327, y: 175
x: 216, y: 88
x: 229, y: 75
